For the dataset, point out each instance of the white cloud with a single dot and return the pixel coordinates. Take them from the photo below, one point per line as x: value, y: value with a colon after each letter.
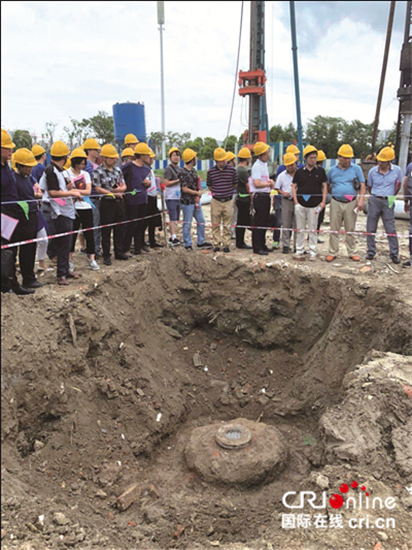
x: 71, y: 59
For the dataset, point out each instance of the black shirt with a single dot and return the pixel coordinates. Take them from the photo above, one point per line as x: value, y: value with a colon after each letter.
x: 8, y: 189
x: 310, y: 182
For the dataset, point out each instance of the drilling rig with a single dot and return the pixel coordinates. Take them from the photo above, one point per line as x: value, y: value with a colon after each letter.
x: 252, y: 83
x: 403, y: 128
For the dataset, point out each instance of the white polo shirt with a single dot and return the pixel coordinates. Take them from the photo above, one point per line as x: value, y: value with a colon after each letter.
x: 260, y: 171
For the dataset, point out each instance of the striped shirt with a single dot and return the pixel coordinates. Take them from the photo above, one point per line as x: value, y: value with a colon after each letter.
x: 222, y: 183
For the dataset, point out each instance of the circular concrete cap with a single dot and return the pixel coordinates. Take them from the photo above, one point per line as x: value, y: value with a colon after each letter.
x: 240, y: 453
x: 233, y: 436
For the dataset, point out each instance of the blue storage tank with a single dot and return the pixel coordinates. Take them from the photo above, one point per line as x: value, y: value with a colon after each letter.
x: 129, y: 118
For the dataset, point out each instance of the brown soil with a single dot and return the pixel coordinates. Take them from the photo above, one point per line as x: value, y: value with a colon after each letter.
x: 100, y: 392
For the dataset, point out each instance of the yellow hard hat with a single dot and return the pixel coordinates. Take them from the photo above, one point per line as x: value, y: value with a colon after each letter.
x: 91, y: 143
x: 130, y: 138
x: 152, y: 154
x: 308, y: 150
x: 6, y: 141
x: 37, y: 150
x: 128, y: 152
x: 345, y: 151
x: 78, y: 153
x: 173, y: 150
x: 142, y: 149
x: 188, y: 155
x: 59, y: 149
x: 288, y: 159
x: 219, y: 154
x: 13, y: 162
x: 109, y: 151
x: 260, y: 147
x: 244, y: 153
x: 230, y: 156
x: 67, y: 165
x: 25, y: 157
x: 321, y: 156
x: 386, y: 154
x: 292, y: 149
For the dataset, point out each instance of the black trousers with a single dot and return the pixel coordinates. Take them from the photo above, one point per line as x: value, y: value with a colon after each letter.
x: 47, y: 212
x: 277, y: 218
x: 261, y: 203
x: 8, y: 257
x: 27, y: 229
x: 154, y: 222
x: 135, y: 230
x: 84, y: 218
x: 62, y: 224
x: 112, y: 211
x: 243, y: 218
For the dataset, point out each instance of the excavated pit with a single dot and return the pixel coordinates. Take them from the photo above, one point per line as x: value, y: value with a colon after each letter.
x: 126, y: 381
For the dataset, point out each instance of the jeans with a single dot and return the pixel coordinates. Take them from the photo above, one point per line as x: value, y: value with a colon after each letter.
x: 63, y: 224
x: 190, y: 212
x: 379, y: 208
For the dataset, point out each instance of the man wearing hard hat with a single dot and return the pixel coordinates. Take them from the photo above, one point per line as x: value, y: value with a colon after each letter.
x: 309, y: 191
x: 384, y: 182
x: 172, y: 192
x: 345, y: 181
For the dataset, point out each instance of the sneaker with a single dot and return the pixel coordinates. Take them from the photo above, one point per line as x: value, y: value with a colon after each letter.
x: 226, y: 249
x: 94, y: 265
x: 188, y: 248
x: 174, y: 242
x: 407, y: 264
x: 275, y: 245
x: 395, y: 259
x: 312, y: 257
x: 216, y: 249
x: 107, y: 261
x: 71, y: 266
x: 205, y: 245
x: 285, y: 250
x: 370, y: 256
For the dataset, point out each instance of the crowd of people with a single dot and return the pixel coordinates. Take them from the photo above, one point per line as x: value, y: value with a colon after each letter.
x: 94, y: 192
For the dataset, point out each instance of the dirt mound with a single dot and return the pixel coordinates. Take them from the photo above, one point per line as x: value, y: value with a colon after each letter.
x: 102, y: 385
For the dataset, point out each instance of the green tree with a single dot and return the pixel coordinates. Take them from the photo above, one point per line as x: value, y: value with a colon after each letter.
x: 174, y: 139
x: 359, y: 136
x: 77, y: 133
x: 230, y: 143
x: 22, y: 138
x: 47, y: 137
x: 196, y: 144
x: 290, y: 133
x: 209, y: 145
x: 156, y: 140
x: 325, y: 133
x: 101, y: 127
x: 276, y: 133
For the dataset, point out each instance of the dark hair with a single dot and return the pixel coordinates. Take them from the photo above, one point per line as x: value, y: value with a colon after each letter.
x: 87, y: 150
x: 58, y: 159
x: 77, y: 160
x: 137, y: 155
x: 38, y: 157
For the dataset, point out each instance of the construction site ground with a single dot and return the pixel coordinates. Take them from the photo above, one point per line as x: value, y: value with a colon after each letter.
x: 104, y: 381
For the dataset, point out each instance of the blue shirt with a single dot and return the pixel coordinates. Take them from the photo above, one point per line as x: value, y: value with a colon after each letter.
x: 38, y: 171
x: 408, y: 169
x: 134, y: 176
x: 384, y: 185
x: 342, y: 181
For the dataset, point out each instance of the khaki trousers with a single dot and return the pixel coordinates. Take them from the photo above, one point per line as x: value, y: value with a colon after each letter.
x: 221, y: 212
x: 342, y: 212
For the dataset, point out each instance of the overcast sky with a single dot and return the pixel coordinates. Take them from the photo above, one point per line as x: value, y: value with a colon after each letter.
x: 72, y: 59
